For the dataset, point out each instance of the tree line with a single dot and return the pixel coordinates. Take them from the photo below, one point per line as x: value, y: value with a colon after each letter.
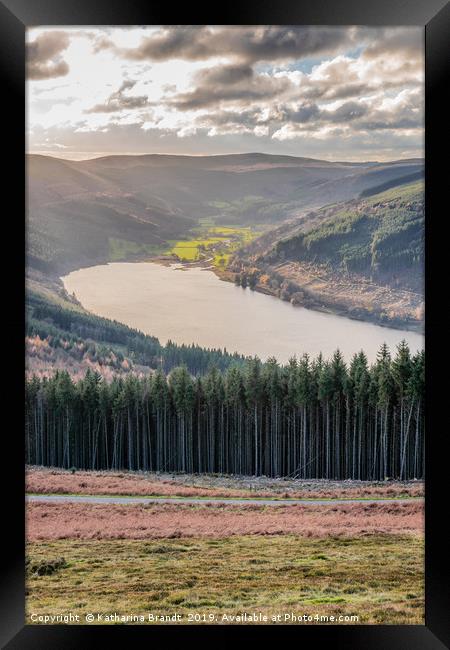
x: 312, y: 418
x: 70, y: 329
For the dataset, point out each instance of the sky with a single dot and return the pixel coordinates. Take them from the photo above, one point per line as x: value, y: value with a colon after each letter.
x: 333, y: 93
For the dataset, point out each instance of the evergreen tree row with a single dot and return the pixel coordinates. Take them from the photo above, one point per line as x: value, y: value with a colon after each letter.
x: 67, y: 328
x: 309, y: 419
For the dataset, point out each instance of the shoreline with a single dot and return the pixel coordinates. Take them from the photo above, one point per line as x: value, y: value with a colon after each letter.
x: 228, y: 276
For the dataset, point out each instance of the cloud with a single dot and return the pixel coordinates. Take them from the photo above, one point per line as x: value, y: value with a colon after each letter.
x: 44, y: 59
x: 268, y: 87
x: 255, y: 44
x: 401, y: 113
x: 343, y: 77
x: 312, y: 115
x: 408, y: 41
x: 230, y: 84
x: 119, y: 101
x: 248, y: 44
x: 225, y: 74
x: 386, y: 145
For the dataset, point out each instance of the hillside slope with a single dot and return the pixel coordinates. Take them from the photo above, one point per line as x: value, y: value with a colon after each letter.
x: 74, y: 214
x: 76, y: 209
x: 61, y: 335
x: 363, y: 258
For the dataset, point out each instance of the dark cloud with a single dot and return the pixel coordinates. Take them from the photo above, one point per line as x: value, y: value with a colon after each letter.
x: 191, y: 43
x: 310, y: 114
x: 225, y: 74
x: 340, y: 79
x: 325, y: 92
x: 302, y: 114
x: 346, y: 112
x: 119, y: 101
x: 401, y: 119
x: 44, y: 59
x: 398, y: 124
x: 409, y: 41
x: 266, y: 43
x: 246, y: 118
x: 249, y: 44
x: 359, y: 117
x: 239, y: 87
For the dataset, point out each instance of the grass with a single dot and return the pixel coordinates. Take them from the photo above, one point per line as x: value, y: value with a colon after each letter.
x: 168, y: 519
x: 207, y: 240
x: 41, y: 480
x: 190, y: 250
x: 218, y: 242
x: 121, y: 249
x: 378, y: 578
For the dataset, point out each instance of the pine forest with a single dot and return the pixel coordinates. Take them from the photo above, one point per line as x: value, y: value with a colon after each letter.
x: 313, y: 418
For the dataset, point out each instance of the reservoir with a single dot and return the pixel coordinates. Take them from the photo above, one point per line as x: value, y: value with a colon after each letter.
x: 192, y: 305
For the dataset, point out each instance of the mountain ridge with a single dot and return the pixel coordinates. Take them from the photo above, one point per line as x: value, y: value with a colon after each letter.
x: 76, y: 207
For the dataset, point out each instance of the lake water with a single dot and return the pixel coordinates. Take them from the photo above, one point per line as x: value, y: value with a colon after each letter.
x: 194, y: 306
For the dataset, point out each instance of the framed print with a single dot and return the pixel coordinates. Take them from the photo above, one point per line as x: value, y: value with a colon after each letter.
x: 233, y: 232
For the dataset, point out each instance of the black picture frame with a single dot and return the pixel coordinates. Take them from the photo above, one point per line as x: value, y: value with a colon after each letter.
x: 433, y: 15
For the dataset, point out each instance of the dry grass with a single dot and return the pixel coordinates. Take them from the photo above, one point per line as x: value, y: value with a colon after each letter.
x: 363, y: 559
x: 51, y: 521
x: 378, y: 578
x: 57, y: 481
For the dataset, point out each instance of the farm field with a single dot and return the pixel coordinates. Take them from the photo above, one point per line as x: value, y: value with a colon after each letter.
x: 121, y: 249
x: 206, y: 242
x: 212, y: 242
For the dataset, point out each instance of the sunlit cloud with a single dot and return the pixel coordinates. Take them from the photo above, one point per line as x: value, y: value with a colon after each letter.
x: 212, y: 90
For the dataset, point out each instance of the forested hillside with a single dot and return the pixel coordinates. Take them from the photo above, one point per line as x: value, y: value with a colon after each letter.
x: 364, y: 257
x: 78, y: 209
x: 61, y: 335
x: 310, y: 419
x: 380, y: 237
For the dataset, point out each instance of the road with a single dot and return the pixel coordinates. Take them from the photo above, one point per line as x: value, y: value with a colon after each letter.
x: 89, y: 498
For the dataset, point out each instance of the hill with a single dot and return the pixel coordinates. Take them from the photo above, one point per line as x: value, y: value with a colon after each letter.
x: 363, y: 258
x: 78, y: 209
x: 61, y: 335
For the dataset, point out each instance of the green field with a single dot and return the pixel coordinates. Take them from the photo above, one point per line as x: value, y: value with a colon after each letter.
x: 206, y: 241
x: 212, y: 241
x: 121, y: 249
x: 378, y: 578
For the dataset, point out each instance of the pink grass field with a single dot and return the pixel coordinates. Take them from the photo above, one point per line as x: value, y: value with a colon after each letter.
x: 51, y: 521
x: 56, y: 481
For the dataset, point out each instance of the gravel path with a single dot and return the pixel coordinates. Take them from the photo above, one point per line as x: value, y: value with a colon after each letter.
x: 87, y: 498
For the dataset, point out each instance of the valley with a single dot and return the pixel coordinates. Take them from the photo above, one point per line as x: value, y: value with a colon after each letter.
x: 231, y: 214
x: 198, y: 212
x: 79, y: 211
x: 209, y: 244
